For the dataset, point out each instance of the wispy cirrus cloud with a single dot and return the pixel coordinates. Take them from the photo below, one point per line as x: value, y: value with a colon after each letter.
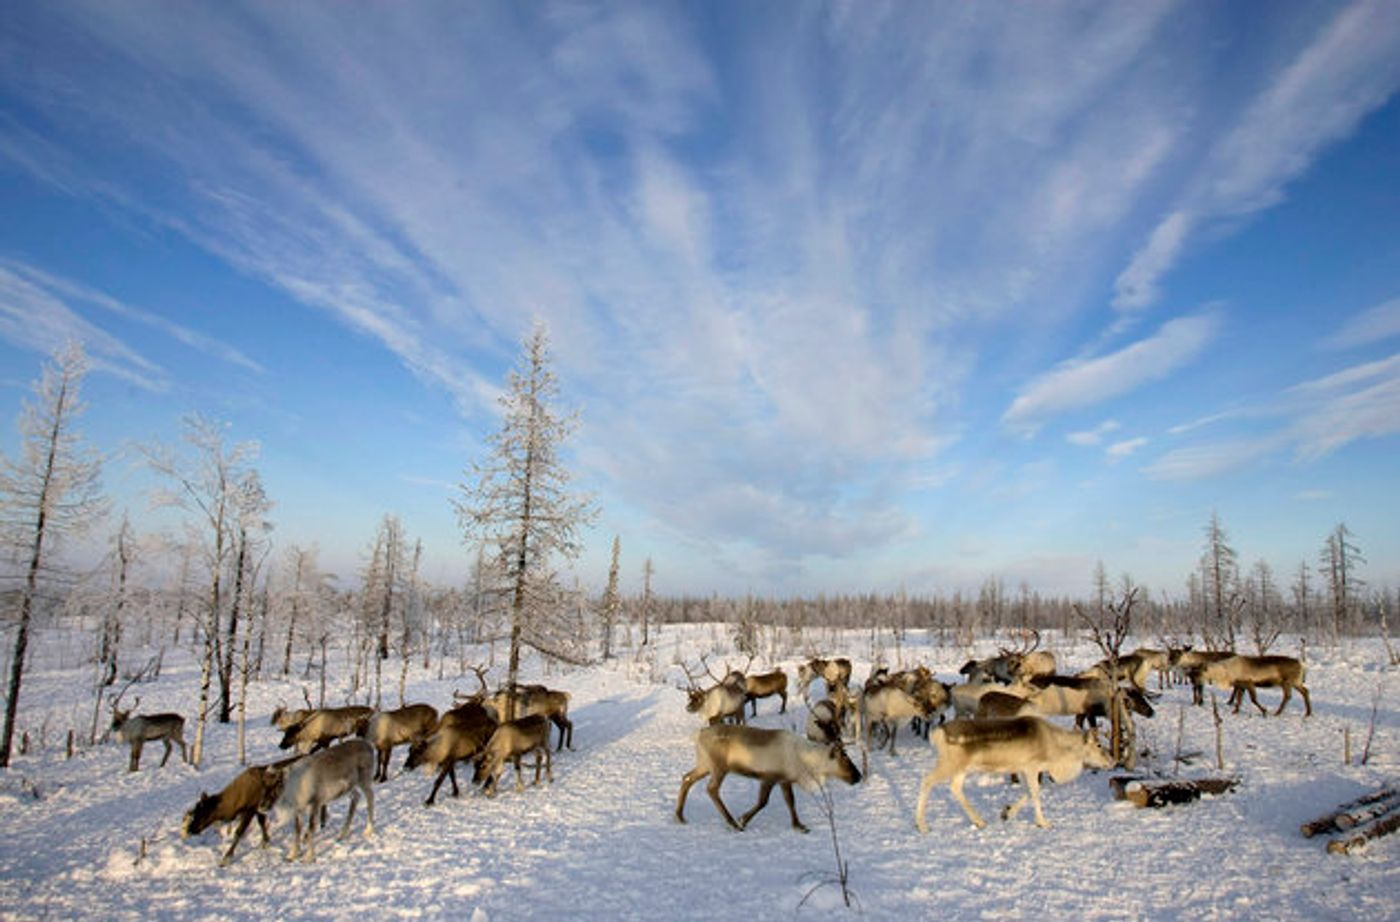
x: 1311, y: 420
x: 1084, y: 383
x: 1347, y: 71
x: 35, y: 318
x: 1374, y: 325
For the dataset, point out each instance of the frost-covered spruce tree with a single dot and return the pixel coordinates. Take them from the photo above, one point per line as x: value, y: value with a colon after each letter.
x: 49, y: 492
x: 611, y: 603
x: 519, y: 504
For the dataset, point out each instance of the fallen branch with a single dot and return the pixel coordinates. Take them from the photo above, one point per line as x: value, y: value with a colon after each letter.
x: 1331, y: 822
x: 1143, y: 793
x: 1381, y: 827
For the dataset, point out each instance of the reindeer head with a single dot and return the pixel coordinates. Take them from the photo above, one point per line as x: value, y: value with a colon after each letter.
x: 199, y: 817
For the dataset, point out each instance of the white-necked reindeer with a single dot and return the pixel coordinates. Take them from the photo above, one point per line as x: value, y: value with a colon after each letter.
x: 318, y: 779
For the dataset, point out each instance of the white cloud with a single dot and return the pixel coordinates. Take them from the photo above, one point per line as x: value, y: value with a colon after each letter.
x: 1079, y: 384
x: 1091, y: 437
x: 1125, y: 448
x: 1347, y: 71
x: 1370, y: 326
x: 36, y: 319
x: 1202, y: 461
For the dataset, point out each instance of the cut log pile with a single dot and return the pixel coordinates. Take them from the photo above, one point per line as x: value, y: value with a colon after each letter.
x: 1358, y: 821
x: 1147, y: 793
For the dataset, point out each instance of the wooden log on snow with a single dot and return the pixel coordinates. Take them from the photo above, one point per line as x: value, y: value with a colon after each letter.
x: 1331, y: 822
x: 1143, y: 793
x: 1384, y: 826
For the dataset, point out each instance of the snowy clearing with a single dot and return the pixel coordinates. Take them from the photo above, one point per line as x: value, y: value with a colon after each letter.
x: 601, y: 841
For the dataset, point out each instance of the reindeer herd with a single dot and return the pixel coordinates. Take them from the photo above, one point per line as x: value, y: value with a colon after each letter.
x: 999, y: 726
x: 1000, y: 723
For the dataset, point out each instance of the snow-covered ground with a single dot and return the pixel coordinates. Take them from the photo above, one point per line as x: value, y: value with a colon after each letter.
x: 601, y: 842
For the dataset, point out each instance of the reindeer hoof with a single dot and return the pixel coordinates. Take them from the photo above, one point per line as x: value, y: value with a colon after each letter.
x: 800, y: 828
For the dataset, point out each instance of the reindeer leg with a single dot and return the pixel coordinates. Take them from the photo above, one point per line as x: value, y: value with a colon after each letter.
x: 956, y: 786
x: 930, y: 779
x: 1033, y: 788
x: 716, y: 780
x: 792, y: 807
x: 1307, y: 699
x: 1254, y: 698
x: 350, y: 814
x: 368, y: 788
x: 690, y: 778
x: 296, y: 836
x: 135, y: 764
x: 764, y: 790
x: 519, y: 775
x: 1287, y: 693
x: 166, y: 757
x: 262, y: 826
x: 894, y: 731
x: 243, y: 822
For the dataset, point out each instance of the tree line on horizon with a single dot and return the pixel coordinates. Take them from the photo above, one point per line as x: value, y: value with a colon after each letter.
x: 252, y: 612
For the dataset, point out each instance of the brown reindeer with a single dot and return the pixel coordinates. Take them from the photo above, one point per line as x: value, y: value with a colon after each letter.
x: 144, y: 728
x: 765, y: 686
x: 834, y: 672
x: 536, y: 699
x: 1243, y: 674
x: 406, y: 725
x: 510, y: 743
x: 247, y: 797
x: 461, y: 734
x: 1026, y: 746
x: 774, y: 757
x: 324, y: 726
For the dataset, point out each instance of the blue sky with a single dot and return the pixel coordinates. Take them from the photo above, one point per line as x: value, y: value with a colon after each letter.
x: 850, y: 296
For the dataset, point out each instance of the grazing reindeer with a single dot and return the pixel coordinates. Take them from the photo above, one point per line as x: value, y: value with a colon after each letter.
x: 388, y: 729
x: 1133, y: 668
x: 765, y: 686
x: 1024, y: 745
x: 145, y: 728
x: 325, y: 726
x: 1243, y: 674
x: 509, y: 743
x: 834, y: 672
x: 536, y: 699
x: 725, y: 700
x: 249, y: 796
x: 320, y: 778
x: 461, y: 734
x: 772, y: 756
x: 1064, y: 696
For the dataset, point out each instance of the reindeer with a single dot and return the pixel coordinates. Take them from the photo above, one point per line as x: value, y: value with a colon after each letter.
x: 247, y: 797
x: 325, y: 726
x: 145, y: 728
x: 904, y: 695
x: 511, y: 741
x: 284, y: 719
x: 1012, y: 664
x: 320, y: 778
x: 1192, y: 663
x: 1069, y: 696
x: 461, y: 734
x: 1243, y: 674
x: 388, y: 729
x: 536, y: 699
x: 765, y: 686
x: 965, y: 697
x: 772, y: 756
x: 1026, y: 746
x: 834, y: 672
x: 824, y: 722
x: 1133, y: 668
x: 723, y: 700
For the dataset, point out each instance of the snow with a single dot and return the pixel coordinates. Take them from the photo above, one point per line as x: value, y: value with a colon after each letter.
x: 602, y: 842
